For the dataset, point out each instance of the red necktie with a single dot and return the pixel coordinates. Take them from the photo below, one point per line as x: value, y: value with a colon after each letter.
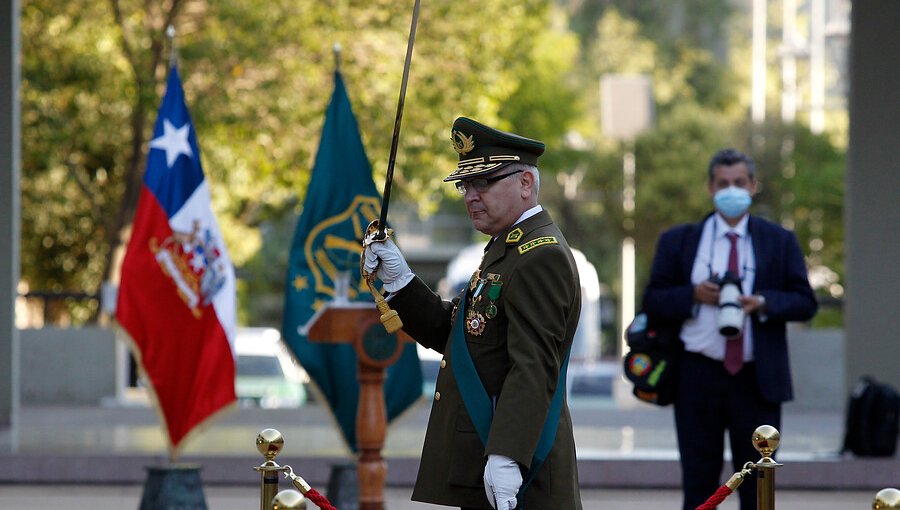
x: 734, y: 347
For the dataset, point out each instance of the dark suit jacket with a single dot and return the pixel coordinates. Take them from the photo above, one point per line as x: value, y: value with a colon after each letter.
x: 518, y: 358
x: 780, y: 277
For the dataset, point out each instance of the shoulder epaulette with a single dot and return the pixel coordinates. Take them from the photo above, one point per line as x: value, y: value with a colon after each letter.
x: 534, y: 243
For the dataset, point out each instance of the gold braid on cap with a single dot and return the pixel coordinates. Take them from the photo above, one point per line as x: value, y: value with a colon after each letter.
x: 462, y: 143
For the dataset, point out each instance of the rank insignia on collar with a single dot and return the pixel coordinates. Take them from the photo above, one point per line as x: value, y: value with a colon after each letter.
x: 514, y: 236
x: 475, y: 323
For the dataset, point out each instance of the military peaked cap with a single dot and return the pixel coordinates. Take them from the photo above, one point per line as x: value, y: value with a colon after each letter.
x: 483, y: 149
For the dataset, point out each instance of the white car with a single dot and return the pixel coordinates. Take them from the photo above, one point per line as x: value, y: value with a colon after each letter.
x: 267, y: 374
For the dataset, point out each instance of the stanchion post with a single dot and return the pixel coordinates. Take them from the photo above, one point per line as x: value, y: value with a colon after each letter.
x: 269, y: 443
x: 289, y: 499
x: 886, y: 498
x: 766, y: 439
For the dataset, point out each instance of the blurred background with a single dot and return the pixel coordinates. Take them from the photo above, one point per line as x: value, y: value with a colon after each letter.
x: 631, y: 98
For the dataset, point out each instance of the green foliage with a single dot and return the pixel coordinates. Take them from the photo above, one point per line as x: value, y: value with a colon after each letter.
x: 697, y: 23
x: 257, y: 77
x: 542, y: 87
x: 74, y: 106
x: 671, y: 175
x: 802, y: 176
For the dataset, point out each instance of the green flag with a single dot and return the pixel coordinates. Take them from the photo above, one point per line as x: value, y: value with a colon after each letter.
x: 341, y: 200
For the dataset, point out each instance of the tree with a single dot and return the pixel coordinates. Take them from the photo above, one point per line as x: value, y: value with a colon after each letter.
x: 257, y: 75
x: 90, y: 90
x: 671, y: 175
x: 802, y: 177
x: 84, y: 99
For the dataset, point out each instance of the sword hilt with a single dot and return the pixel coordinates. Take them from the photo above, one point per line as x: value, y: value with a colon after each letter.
x: 389, y: 318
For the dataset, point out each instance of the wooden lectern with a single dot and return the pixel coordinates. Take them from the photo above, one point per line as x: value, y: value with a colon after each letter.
x: 376, y: 349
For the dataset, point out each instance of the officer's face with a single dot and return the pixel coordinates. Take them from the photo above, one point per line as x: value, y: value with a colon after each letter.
x: 500, y: 203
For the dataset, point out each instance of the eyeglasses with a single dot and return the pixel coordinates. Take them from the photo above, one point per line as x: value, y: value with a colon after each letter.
x: 481, y: 184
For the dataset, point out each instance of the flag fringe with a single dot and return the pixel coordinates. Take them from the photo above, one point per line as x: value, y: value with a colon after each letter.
x: 174, y: 450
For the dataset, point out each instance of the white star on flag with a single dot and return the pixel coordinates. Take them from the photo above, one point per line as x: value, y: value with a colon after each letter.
x: 173, y: 141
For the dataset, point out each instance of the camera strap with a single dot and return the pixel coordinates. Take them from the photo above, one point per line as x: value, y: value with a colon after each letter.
x: 741, y: 271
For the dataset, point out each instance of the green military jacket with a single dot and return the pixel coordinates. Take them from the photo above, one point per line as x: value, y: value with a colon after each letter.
x: 522, y: 332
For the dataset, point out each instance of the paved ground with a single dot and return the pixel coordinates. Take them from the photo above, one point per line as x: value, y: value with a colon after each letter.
x: 602, y: 429
x: 243, y: 498
x: 620, y: 442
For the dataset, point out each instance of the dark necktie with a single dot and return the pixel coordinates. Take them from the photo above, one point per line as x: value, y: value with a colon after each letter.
x: 734, y: 347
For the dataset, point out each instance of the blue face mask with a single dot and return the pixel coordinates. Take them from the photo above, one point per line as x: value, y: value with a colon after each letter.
x: 732, y: 201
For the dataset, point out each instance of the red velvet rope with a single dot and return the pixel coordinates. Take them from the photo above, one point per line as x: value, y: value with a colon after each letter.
x: 716, y: 498
x: 320, y: 500
x: 710, y: 504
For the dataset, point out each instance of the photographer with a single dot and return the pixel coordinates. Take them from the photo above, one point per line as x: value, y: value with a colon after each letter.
x: 732, y: 281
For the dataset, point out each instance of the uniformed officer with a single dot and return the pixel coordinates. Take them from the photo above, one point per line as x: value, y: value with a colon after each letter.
x: 499, y: 435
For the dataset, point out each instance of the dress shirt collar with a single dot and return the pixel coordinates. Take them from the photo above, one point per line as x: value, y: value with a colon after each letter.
x: 721, y: 227
x: 529, y: 213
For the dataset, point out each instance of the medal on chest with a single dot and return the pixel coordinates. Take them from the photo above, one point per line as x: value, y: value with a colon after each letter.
x: 489, y: 285
x: 475, y: 322
x: 493, y: 294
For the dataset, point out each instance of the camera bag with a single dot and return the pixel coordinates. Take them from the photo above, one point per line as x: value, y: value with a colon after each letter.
x: 651, y: 363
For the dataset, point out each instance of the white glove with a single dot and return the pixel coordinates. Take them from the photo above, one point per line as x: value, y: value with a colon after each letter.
x: 384, y: 259
x: 502, y: 479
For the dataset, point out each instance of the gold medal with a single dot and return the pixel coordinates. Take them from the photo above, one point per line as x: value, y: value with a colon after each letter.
x: 474, y: 323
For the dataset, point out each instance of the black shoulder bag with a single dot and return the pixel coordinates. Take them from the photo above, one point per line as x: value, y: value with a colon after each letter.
x: 652, y: 360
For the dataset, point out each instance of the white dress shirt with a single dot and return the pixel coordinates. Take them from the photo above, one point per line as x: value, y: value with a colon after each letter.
x: 701, y: 333
x: 529, y: 213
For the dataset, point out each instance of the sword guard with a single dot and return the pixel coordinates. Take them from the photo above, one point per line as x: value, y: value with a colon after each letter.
x: 375, y: 235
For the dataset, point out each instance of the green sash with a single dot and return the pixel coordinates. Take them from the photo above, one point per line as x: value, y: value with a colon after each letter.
x: 481, y: 410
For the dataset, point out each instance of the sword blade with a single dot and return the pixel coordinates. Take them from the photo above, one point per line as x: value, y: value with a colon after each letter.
x: 395, y: 140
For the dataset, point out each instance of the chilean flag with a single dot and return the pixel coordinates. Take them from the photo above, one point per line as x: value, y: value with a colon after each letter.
x: 177, y: 293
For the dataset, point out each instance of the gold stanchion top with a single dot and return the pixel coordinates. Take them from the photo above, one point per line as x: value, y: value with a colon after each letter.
x: 269, y: 443
x: 289, y: 499
x: 886, y: 498
x: 766, y: 439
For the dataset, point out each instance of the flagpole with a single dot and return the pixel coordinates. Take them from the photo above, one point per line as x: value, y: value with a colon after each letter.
x: 145, y: 282
x: 170, y: 35
x: 173, y: 53
x: 337, y: 57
